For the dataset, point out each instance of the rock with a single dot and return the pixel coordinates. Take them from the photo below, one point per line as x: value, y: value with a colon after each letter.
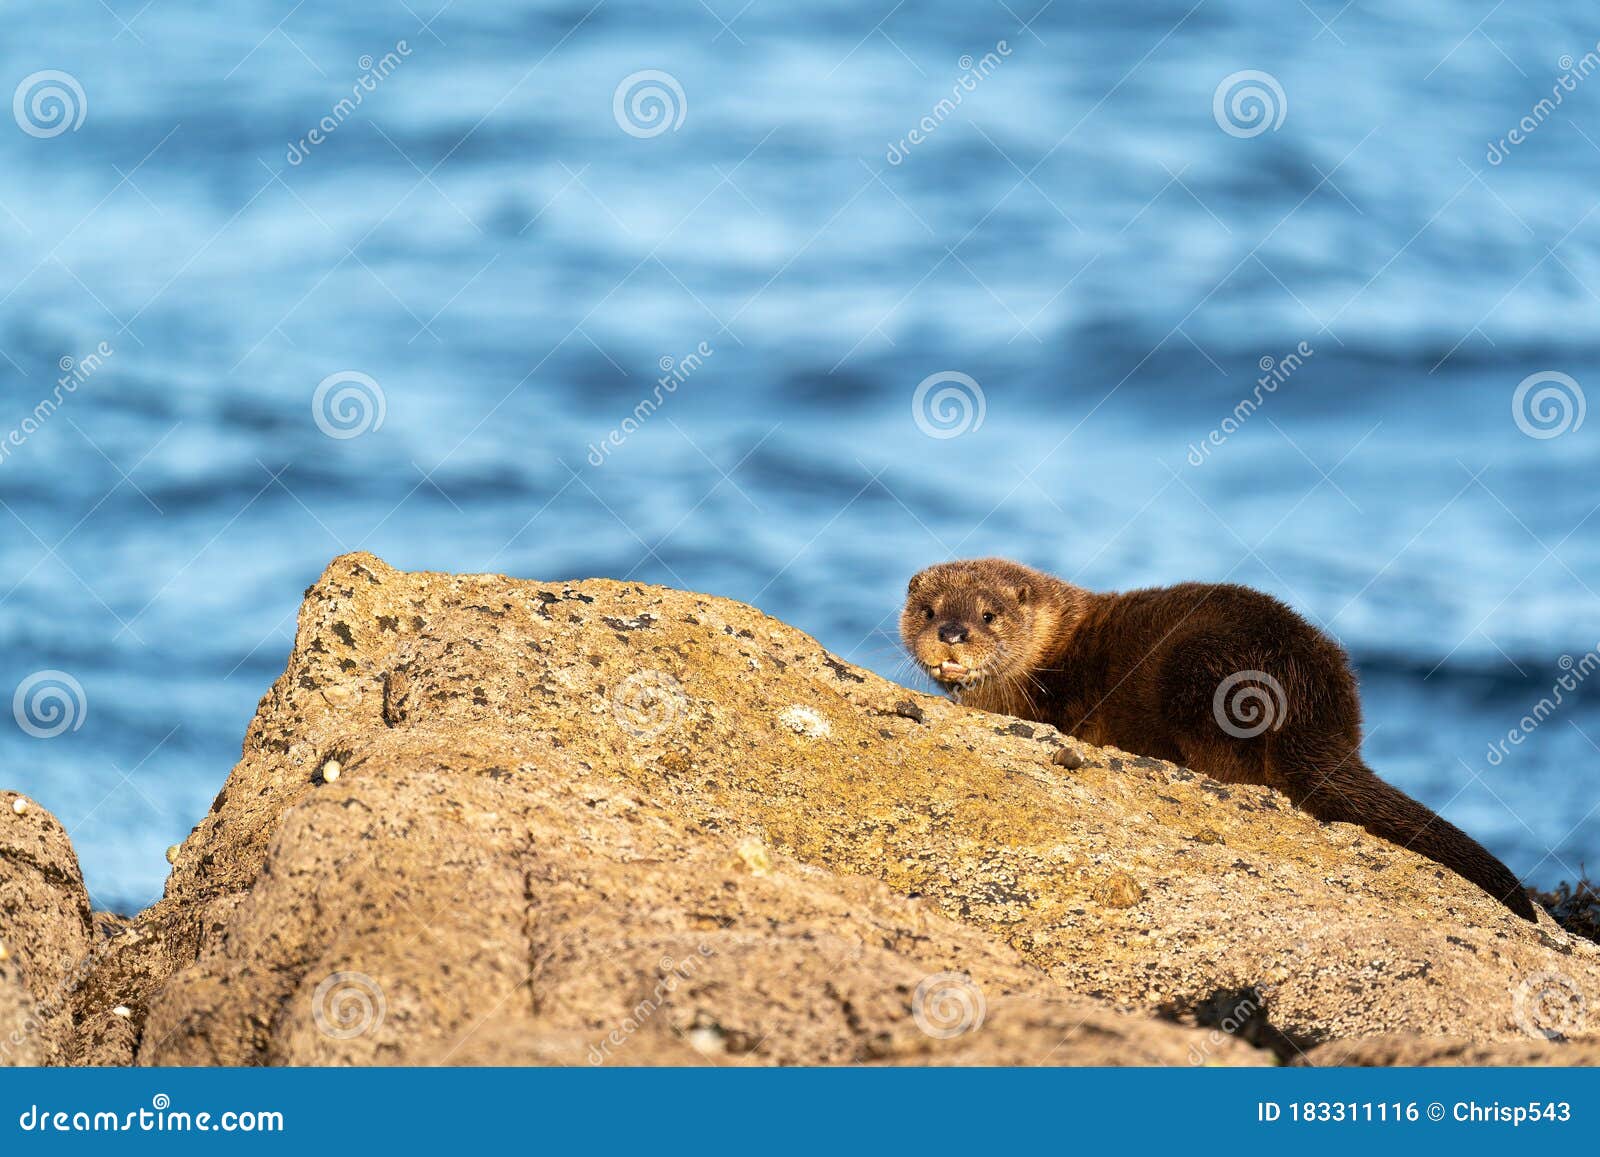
x: 909, y: 709
x: 45, y: 931
x: 1068, y: 758
x: 1119, y: 890
x: 104, y: 1039
x: 601, y: 822
x: 465, y: 900
x: 21, y: 1042
x: 1402, y: 1049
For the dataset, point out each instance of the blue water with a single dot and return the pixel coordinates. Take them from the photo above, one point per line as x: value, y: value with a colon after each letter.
x: 1080, y: 236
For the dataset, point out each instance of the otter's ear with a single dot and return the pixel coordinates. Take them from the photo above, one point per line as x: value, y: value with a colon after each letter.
x: 915, y: 584
x: 1022, y: 595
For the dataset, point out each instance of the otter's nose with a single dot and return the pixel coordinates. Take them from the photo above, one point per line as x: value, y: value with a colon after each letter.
x: 952, y: 633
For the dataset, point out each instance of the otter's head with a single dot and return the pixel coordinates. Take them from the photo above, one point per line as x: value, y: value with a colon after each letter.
x: 980, y: 621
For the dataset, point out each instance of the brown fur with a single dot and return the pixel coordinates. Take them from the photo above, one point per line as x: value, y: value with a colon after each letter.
x: 1220, y: 678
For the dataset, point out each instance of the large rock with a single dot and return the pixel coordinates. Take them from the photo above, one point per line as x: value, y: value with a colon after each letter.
x: 45, y: 933
x: 607, y: 822
x: 482, y: 899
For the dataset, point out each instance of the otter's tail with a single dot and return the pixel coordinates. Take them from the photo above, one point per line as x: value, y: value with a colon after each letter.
x: 1391, y: 813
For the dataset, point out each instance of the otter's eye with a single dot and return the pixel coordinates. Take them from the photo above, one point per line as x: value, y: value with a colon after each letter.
x: 927, y: 613
x: 988, y: 616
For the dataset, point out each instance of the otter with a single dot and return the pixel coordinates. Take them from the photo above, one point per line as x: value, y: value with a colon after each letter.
x: 1219, y: 678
